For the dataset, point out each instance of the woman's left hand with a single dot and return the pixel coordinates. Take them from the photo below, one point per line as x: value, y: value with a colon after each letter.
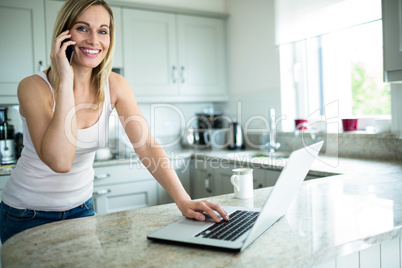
x: 194, y: 210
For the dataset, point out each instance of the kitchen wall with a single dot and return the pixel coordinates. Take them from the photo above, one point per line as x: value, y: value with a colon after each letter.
x: 253, y: 61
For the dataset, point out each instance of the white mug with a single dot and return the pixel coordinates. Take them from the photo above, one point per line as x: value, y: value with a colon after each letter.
x: 242, y: 181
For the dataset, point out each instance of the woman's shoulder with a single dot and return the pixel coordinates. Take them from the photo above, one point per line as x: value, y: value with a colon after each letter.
x: 33, y: 81
x: 118, y: 86
x: 116, y: 80
x: 33, y: 85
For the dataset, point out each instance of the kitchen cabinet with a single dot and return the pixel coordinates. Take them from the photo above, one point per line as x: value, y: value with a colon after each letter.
x: 202, y: 183
x: 170, y: 57
x: 211, y: 178
x: 52, y: 8
x: 392, y: 40
x: 23, y: 50
x: 123, y: 187
x: 182, y: 168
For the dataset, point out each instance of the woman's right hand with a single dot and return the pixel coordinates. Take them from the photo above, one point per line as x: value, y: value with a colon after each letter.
x: 59, y: 58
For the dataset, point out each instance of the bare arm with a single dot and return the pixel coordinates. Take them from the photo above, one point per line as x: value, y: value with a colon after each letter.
x: 150, y: 151
x: 53, y: 134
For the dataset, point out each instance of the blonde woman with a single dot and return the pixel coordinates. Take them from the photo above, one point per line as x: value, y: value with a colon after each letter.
x: 65, y: 112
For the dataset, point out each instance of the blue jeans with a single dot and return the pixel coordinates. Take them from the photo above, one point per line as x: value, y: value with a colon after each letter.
x: 13, y: 221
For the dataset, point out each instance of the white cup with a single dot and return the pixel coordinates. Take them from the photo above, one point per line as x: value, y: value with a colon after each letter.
x: 242, y: 181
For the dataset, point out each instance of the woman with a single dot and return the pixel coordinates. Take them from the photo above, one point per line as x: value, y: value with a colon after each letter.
x: 65, y: 113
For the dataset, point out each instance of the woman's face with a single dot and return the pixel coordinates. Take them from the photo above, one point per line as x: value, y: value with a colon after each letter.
x: 92, y: 34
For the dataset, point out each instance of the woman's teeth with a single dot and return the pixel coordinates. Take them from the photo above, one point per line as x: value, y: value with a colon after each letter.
x: 91, y: 51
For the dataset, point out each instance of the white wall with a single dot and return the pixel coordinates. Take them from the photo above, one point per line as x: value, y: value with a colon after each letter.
x: 253, y: 59
x: 204, y: 5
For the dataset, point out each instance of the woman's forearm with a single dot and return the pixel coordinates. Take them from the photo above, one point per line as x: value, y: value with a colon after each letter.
x: 158, y: 163
x: 60, y: 139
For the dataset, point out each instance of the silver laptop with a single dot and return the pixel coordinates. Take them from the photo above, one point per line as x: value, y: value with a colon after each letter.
x: 245, y: 225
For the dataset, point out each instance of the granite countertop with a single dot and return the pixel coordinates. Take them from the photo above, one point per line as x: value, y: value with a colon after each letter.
x: 330, y: 217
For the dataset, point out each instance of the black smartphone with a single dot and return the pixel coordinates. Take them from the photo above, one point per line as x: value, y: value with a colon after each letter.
x: 69, y: 51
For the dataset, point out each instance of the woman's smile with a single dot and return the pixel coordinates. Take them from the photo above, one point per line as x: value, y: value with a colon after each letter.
x: 90, y: 52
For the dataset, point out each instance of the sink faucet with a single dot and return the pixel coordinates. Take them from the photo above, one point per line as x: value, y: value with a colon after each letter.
x: 272, y: 145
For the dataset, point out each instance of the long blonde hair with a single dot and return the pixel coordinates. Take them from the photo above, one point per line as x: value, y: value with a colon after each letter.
x: 68, y: 15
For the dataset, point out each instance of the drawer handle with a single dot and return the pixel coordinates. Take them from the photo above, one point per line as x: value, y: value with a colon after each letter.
x: 103, y: 192
x: 102, y: 176
x: 207, y: 184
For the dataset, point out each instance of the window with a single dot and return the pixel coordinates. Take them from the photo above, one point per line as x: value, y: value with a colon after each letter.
x: 335, y: 75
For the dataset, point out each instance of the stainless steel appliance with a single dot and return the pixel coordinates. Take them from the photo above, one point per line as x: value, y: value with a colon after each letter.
x: 236, y: 139
x: 195, y: 138
x: 7, y: 142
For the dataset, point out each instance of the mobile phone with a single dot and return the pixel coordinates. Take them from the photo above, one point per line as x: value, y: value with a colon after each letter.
x: 69, y: 51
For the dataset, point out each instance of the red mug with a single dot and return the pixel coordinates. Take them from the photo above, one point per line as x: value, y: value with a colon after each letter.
x: 301, y: 124
x: 349, y: 124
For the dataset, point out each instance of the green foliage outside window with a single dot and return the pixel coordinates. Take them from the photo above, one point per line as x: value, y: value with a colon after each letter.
x: 370, y: 97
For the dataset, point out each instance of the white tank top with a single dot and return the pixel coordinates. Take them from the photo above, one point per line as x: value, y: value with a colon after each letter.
x: 33, y: 185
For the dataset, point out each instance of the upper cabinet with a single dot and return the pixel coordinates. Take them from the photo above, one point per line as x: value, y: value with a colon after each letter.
x: 170, y: 57
x: 392, y: 39
x: 164, y: 56
x: 22, y: 51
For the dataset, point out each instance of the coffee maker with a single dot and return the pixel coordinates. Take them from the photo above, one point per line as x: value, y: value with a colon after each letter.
x: 7, y: 142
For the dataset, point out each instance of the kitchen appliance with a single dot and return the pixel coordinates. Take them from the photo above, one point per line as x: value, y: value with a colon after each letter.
x: 236, y: 140
x: 7, y: 143
x: 207, y: 122
x: 195, y: 138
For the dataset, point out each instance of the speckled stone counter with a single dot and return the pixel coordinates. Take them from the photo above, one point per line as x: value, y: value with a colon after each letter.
x: 330, y: 217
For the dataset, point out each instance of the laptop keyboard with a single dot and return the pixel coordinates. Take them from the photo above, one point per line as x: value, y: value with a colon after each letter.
x: 239, y: 222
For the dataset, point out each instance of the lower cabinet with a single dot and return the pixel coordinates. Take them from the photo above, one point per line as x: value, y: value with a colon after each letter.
x: 182, y: 168
x: 211, y: 178
x: 123, y: 187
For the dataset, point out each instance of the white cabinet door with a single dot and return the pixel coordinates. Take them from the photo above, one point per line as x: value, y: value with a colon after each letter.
x: 126, y: 196
x: 150, y: 62
x: 392, y: 39
x: 170, y: 56
x: 123, y: 187
x: 201, y: 56
x: 22, y: 50
x: 52, y: 8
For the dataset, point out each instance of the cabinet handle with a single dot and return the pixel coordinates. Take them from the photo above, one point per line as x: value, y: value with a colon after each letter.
x: 183, y: 78
x: 102, y: 176
x: 40, y: 64
x: 102, y: 192
x: 174, y: 73
x: 207, y: 184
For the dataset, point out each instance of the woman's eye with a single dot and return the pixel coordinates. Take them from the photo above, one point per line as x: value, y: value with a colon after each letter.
x: 82, y: 29
x: 103, y: 32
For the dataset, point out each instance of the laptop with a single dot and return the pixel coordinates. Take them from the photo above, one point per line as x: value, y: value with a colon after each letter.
x: 245, y: 225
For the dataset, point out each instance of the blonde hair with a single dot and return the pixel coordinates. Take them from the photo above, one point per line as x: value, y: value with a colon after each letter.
x: 68, y: 15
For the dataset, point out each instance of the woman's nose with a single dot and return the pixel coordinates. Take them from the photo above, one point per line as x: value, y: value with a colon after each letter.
x: 93, y: 38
